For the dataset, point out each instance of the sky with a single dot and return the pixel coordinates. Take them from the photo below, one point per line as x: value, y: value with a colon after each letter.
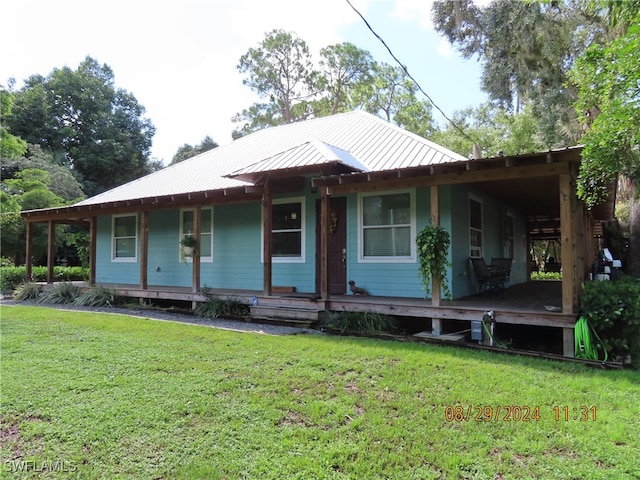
x: 179, y: 58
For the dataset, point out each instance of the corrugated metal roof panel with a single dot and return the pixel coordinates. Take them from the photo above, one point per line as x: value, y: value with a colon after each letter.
x: 358, y: 139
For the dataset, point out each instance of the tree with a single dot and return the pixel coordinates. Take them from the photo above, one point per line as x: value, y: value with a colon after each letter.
x: 392, y: 95
x: 61, y: 180
x: 86, y: 123
x: 279, y: 70
x: 344, y: 68
x: 526, y: 49
x: 28, y: 190
x: 493, y: 127
x: 10, y: 145
x: 608, y: 82
x: 188, y: 151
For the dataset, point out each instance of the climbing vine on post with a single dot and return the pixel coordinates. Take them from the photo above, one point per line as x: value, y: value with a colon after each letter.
x: 433, y: 246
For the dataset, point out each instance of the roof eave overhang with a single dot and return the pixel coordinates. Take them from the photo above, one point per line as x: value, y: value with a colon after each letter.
x: 80, y: 213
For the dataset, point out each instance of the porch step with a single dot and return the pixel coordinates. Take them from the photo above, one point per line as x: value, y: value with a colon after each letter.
x: 445, y: 337
x: 295, y: 316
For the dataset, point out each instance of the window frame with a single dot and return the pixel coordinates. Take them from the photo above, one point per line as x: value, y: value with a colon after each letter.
x: 303, y: 230
x: 473, y: 248
x: 411, y: 258
x: 114, y: 238
x: 203, y: 259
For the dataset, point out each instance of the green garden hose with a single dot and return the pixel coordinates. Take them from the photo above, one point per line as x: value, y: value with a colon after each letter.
x: 583, y: 336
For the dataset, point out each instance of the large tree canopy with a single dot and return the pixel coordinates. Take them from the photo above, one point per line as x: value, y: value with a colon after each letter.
x: 86, y: 123
x: 526, y: 49
x: 608, y: 82
x: 282, y: 72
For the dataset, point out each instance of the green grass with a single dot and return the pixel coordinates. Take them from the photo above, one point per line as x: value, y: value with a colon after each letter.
x: 112, y: 396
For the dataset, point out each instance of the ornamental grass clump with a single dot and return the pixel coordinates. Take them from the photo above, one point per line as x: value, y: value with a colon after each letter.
x: 362, y: 322
x: 59, y: 293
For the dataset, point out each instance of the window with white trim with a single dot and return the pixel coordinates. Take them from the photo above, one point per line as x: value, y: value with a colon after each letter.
x: 475, y: 228
x: 124, y: 235
x: 387, y: 226
x: 205, y: 246
x: 287, y: 230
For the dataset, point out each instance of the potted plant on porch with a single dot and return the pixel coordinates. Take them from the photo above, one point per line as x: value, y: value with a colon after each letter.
x: 433, y: 247
x: 188, y: 246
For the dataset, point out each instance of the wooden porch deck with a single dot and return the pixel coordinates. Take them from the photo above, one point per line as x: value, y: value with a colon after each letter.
x: 535, y: 303
x: 531, y: 303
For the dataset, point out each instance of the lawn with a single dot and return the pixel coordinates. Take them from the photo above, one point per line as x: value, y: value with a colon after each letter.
x: 87, y: 395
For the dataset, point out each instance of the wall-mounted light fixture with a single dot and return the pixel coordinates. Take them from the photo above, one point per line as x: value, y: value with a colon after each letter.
x: 312, y: 188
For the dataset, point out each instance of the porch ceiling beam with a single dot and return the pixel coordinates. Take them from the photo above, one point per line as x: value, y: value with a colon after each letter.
x: 81, y: 214
x: 464, y: 176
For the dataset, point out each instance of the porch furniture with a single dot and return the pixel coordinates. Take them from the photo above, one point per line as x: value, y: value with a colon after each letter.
x: 505, y: 263
x: 490, y: 277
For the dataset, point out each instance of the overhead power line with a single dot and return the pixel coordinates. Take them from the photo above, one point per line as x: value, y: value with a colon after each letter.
x: 404, y: 68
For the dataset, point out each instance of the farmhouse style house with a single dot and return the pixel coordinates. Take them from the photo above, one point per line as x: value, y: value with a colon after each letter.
x: 294, y: 212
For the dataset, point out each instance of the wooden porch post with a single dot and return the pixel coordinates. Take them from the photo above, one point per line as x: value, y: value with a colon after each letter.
x: 93, y: 238
x: 267, y: 228
x: 27, y: 259
x: 436, y: 323
x: 51, y: 250
x: 195, y: 284
x: 144, y: 249
x: 568, y: 245
x: 324, y: 243
x: 569, y: 258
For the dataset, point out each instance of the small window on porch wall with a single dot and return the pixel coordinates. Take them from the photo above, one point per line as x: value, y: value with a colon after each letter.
x: 287, y: 231
x: 475, y: 228
x: 387, y: 227
x: 205, y: 246
x: 124, y: 245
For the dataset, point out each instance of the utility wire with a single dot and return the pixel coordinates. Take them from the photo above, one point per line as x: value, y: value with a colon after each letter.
x: 410, y: 76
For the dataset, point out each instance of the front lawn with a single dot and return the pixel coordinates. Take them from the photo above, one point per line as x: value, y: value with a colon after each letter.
x: 87, y: 395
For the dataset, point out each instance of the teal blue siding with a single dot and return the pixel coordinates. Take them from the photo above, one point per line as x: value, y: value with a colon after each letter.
x: 237, y: 248
x: 399, y: 279
x: 165, y: 266
x: 301, y: 275
x: 108, y: 271
x: 237, y: 244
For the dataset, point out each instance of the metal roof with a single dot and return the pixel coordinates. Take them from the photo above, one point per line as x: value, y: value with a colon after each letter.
x: 358, y: 140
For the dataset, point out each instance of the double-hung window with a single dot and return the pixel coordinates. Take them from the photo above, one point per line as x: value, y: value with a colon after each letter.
x: 287, y: 230
x: 387, y: 227
x: 475, y: 228
x: 205, y: 246
x: 124, y: 245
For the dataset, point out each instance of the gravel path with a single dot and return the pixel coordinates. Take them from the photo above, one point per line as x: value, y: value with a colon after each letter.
x: 235, y: 325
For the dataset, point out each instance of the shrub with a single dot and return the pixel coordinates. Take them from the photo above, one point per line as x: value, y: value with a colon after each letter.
x: 98, y: 296
x: 26, y: 291
x: 63, y: 292
x: 546, y: 276
x: 613, y: 310
x: 12, y: 276
x: 362, y: 322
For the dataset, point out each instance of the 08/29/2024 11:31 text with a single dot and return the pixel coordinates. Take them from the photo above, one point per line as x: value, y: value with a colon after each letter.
x: 518, y: 413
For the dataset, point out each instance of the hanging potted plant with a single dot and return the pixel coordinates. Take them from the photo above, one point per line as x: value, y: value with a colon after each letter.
x: 433, y: 246
x: 188, y: 246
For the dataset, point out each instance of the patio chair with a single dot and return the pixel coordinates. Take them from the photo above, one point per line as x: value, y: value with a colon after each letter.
x: 490, y: 278
x: 504, y: 263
